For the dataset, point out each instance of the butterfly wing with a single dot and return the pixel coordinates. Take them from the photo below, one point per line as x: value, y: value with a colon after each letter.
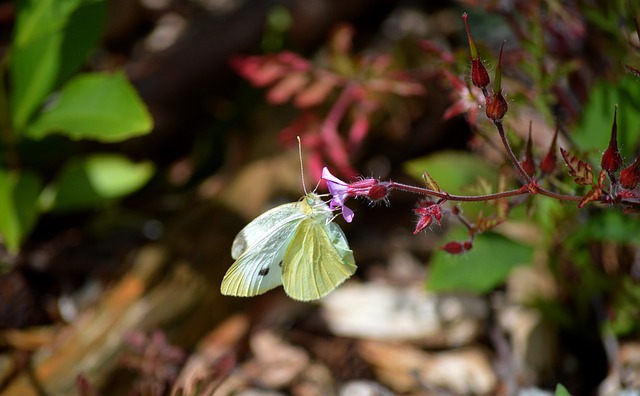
x: 259, y: 249
x: 317, y: 260
x: 264, y: 226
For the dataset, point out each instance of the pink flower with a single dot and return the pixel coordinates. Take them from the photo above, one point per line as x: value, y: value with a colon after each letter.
x: 373, y: 189
x: 339, y: 194
x: 466, y: 100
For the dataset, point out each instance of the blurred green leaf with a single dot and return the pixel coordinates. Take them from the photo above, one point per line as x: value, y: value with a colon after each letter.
x: 608, y: 226
x: 479, y: 270
x: 81, y: 34
x: 594, y: 129
x: 35, y: 54
x: 103, y: 107
x: 87, y: 182
x: 456, y: 172
x: 33, y: 72
x: 562, y: 391
x: 452, y: 170
x: 625, y: 308
x: 18, y: 205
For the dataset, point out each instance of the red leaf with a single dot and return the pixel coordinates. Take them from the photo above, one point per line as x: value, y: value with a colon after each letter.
x: 580, y: 170
x: 287, y: 87
x: 315, y: 93
x: 359, y: 128
x: 593, y: 195
x: 601, y: 177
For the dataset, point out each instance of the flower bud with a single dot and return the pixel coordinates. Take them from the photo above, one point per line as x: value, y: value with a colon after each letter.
x: 479, y: 75
x: 611, y: 159
x: 548, y: 164
x: 528, y: 164
x: 496, y: 106
x: 455, y: 247
x: 427, y: 212
x: 630, y: 176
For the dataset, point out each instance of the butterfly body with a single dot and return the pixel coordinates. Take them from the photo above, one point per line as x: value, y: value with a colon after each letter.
x: 296, y: 245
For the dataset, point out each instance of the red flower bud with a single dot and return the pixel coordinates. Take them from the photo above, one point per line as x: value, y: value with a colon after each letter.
x: 423, y: 222
x: 548, y: 164
x: 479, y: 75
x: 427, y: 212
x: 630, y: 176
x: 611, y: 159
x: 496, y: 106
x: 528, y: 165
x: 455, y: 247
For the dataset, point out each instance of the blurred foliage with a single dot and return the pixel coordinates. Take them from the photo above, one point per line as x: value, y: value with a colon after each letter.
x: 596, y: 117
x: 51, y: 42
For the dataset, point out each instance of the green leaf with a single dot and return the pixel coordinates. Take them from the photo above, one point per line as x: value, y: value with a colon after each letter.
x: 594, y: 129
x: 33, y: 72
x: 83, y: 30
x: 608, y: 226
x: 562, y: 391
x: 453, y: 170
x: 103, y: 107
x: 86, y: 183
x: 35, y: 55
x: 18, y: 205
x: 482, y: 268
x: 456, y: 173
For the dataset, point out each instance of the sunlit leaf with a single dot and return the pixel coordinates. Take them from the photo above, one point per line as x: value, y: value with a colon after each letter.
x: 103, y: 107
x: 561, y: 391
x: 85, y: 183
x: 453, y: 170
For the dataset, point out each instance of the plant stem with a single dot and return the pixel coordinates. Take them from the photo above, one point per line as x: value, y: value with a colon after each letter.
x: 529, y: 181
x: 460, y: 198
x: 510, y: 154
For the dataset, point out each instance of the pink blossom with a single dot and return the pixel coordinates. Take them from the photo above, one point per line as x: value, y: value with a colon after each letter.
x: 339, y: 192
x: 372, y: 189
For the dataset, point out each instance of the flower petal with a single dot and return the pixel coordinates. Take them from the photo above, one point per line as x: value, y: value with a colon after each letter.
x: 347, y: 214
x: 331, y: 179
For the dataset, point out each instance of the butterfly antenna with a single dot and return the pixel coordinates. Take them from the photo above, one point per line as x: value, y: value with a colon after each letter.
x: 304, y: 187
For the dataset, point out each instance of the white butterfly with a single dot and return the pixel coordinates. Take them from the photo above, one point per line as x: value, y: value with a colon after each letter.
x: 295, y: 245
